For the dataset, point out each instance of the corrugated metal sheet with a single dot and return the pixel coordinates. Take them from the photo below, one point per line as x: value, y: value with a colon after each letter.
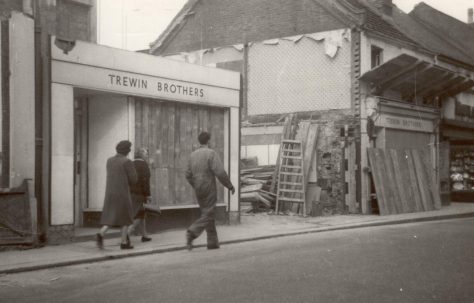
x: 298, y: 76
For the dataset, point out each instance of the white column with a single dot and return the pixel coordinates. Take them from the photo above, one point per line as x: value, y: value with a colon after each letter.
x: 22, y: 99
x: 62, y: 154
x: 234, y: 157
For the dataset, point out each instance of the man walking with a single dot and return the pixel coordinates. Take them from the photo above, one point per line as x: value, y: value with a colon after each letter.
x: 203, y: 167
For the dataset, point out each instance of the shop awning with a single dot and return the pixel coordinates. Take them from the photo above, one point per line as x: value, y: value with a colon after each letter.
x: 413, y: 77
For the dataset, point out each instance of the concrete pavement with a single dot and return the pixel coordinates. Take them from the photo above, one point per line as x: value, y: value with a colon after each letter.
x: 253, y: 227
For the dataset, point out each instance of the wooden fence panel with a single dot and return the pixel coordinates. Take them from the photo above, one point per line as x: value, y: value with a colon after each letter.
x: 376, y: 168
x: 401, y: 174
x: 404, y: 181
x: 413, y: 181
x: 423, y: 184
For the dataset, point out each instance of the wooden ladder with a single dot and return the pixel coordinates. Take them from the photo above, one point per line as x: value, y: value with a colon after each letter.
x: 291, y: 183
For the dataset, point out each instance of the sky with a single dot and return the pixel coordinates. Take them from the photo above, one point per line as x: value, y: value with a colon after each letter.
x: 134, y: 24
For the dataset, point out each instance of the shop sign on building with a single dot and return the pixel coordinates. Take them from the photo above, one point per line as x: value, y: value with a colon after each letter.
x: 406, y: 123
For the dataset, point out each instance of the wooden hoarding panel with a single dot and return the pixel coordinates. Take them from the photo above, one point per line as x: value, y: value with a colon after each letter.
x: 170, y: 130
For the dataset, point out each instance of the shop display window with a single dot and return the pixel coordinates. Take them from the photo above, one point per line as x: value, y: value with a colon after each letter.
x: 462, y: 168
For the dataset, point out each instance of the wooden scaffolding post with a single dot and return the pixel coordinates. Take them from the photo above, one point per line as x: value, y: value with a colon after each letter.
x: 291, y: 178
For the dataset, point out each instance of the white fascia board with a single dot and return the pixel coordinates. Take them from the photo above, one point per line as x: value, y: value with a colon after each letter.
x: 122, y: 60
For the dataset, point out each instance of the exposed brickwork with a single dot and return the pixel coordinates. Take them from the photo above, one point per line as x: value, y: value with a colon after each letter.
x: 227, y: 22
x: 355, y: 74
x: 73, y: 21
x: 336, y: 127
x: 330, y: 158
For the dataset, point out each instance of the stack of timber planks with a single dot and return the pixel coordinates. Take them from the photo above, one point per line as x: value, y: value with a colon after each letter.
x: 404, y: 181
x: 255, y: 184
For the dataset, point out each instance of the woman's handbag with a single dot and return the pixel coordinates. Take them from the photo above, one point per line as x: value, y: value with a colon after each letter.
x: 151, y: 208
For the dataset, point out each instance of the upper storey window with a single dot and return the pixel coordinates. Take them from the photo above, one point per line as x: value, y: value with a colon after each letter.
x: 376, y: 56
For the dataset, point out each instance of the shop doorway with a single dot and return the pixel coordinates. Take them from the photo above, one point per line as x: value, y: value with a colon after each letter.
x: 100, y: 121
x: 80, y: 159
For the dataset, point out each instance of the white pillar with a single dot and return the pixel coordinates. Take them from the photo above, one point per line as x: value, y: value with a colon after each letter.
x: 22, y: 99
x: 234, y: 207
x: 62, y: 154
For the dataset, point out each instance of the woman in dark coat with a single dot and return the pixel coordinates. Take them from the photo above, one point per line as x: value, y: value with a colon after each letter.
x: 117, y: 211
x: 140, y: 192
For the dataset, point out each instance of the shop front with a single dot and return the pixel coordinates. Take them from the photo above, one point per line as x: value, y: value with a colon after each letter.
x: 457, y: 131
x: 408, y: 134
x: 101, y: 95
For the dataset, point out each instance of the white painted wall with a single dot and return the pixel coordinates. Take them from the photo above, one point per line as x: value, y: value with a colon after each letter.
x: 62, y: 154
x: 266, y: 154
x: 108, y: 124
x: 22, y: 97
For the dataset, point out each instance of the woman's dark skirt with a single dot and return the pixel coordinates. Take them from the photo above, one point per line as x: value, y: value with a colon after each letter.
x: 137, y: 206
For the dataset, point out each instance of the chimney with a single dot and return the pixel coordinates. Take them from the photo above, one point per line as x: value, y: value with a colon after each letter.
x: 470, y: 16
x: 384, y: 6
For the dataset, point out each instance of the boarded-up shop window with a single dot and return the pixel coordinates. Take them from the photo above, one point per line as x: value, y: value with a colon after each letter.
x: 169, y: 130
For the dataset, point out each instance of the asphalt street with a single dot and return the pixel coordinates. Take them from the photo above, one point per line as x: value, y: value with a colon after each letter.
x: 418, y: 262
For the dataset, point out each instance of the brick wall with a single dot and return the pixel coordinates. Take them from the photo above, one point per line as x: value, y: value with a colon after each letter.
x: 73, y: 20
x: 330, y: 158
x: 227, y: 22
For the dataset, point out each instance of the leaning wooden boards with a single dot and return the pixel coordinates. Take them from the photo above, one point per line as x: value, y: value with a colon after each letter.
x: 404, y: 181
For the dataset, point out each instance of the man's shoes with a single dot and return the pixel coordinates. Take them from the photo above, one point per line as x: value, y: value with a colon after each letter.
x: 126, y: 246
x: 99, y: 241
x: 146, y: 239
x: 189, y: 240
x: 213, y: 246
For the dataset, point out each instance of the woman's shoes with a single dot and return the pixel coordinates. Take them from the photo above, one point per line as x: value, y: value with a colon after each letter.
x: 146, y: 239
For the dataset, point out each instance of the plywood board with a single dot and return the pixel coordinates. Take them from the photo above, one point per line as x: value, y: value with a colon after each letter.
x: 376, y: 169
x: 413, y: 181
x: 423, y: 184
x: 433, y: 184
x: 170, y: 132
x: 400, y: 172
